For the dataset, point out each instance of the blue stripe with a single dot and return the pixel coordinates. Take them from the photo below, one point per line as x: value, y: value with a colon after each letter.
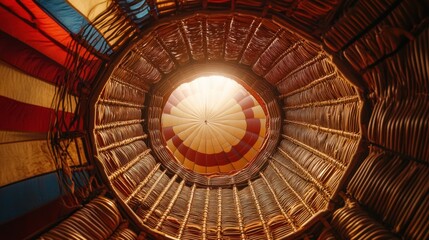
x: 138, y: 10
x: 22, y: 197
x: 74, y: 22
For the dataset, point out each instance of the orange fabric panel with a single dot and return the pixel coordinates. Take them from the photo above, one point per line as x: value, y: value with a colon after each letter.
x: 19, y: 29
x: 29, y: 60
x: 37, y: 39
x: 31, y: 12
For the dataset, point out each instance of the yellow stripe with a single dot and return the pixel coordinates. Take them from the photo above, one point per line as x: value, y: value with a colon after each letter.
x: 27, y: 89
x: 11, y: 137
x: 22, y: 160
x: 19, y: 161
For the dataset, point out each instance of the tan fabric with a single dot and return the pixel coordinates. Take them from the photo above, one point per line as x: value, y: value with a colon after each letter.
x: 27, y: 89
x: 11, y: 137
x: 91, y: 9
x: 22, y: 160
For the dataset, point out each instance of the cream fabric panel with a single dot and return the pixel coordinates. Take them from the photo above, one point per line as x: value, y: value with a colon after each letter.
x: 22, y: 160
x: 11, y: 137
x: 91, y: 9
x: 21, y: 87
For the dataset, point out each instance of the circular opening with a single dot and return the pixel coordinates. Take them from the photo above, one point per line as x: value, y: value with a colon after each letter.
x: 218, y: 174
x: 213, y: 125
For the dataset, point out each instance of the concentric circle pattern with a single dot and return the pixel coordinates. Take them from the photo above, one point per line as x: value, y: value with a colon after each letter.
x: 213, y: 125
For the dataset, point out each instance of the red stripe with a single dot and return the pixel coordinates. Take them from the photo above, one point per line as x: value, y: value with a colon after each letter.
x: 168, y: 132
x: 236, y: 153
x: 33, y: 14
x: 249, y: 113
x: 19, y: 116
x: 246, y: 102
x: 14, y: 26
x: 40, y: 41
x: 253, y: 127
x: 29, y: 60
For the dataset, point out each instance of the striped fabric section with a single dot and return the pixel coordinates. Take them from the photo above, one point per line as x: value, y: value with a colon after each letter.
x: 45, y: 40
x: 212, y: 125
x: 33, y: 14
x: 26, y: 101
x: 27, y: 89
x: 29, y: 60
x: 76, y: 15
x: 34, y: 57
x: 10, y: 24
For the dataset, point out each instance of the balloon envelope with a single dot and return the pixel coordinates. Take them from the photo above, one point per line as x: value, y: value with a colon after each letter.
x: 213, y: 125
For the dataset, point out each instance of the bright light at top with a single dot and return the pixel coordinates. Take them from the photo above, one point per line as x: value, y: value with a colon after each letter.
x: 212, y: 85
x: 214, y: 80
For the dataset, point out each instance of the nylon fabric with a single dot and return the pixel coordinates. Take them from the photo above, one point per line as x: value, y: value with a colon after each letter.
x: 41, y: 190
x: 29, y: 60
x: 23, y: 160
x: 16, y: 136
x: 24, y: 88
x: 16, y: 27
x: 76, y: 17
x: 27, y: 117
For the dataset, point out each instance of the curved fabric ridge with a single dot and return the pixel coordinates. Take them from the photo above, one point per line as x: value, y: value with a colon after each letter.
x: 74, y: 16
x: 29, y: 60
x: 33, y: 14
x: 212, y: 125
x: 22, y: 31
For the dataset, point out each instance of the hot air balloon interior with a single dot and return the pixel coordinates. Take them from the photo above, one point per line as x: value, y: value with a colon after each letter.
x: 214, y: 119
